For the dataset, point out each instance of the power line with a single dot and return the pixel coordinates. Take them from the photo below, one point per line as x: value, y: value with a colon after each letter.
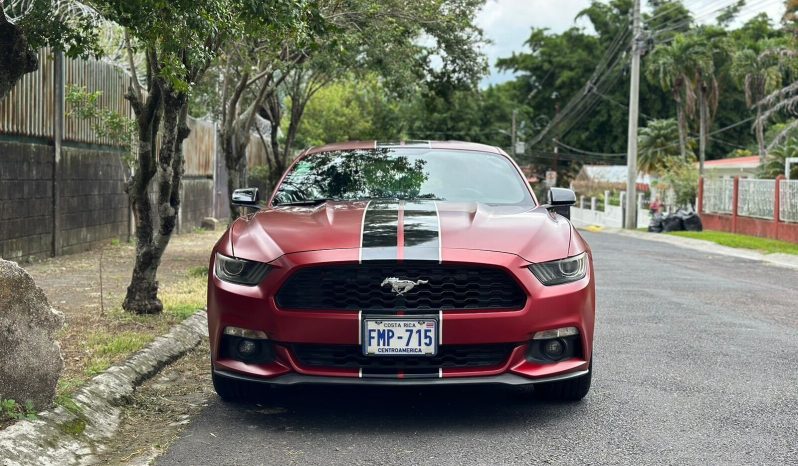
x: 587, y: 152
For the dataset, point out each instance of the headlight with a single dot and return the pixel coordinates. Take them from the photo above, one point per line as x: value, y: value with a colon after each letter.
x: 240, y: 271
x: 561, y: 271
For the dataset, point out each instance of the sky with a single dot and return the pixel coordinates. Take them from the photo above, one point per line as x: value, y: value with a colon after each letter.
x: 507, y: 23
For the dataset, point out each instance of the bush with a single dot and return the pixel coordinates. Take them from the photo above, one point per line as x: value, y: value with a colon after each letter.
x: 774, y: 163
x: 681, y: 176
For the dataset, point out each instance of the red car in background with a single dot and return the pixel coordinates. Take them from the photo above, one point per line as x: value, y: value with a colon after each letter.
x: 425, y: 263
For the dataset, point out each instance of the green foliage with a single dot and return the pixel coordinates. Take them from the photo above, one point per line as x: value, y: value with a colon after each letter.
x: 681, y: 175
x: 775, y: 162
x: 656, y: 143
x: 106, y: 123
x: 65, y: 25
x: 11, y: 410
x: 737, y: 153
x: 73, y: 427
x: 342, y: 111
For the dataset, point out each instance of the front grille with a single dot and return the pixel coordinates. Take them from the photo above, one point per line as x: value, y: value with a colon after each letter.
x: 351, y: 356
x: 357, y: 287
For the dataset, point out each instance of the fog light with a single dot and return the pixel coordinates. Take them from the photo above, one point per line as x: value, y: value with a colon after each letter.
x: 247, y: 348
x: 554, y: 348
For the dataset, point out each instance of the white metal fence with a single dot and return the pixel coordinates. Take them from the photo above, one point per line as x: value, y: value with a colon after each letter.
x: 718, y: 195
x: 755, y: 198
x: 788, y: 200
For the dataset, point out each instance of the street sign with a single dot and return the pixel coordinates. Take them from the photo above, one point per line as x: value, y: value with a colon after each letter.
x: 520, y: 147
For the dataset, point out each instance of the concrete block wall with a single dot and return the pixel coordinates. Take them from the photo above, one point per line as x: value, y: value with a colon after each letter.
x: 196, y: 202
x: 26, y: 200
x: 94, y: 205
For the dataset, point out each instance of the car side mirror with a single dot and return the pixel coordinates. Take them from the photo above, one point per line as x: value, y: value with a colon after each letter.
x: 246, y: 197
x: 560, y: 201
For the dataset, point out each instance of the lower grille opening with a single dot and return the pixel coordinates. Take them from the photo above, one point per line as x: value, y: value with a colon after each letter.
x: 351, y: 356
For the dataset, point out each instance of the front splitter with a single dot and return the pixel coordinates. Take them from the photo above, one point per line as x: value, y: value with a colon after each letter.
x: 300, y: 379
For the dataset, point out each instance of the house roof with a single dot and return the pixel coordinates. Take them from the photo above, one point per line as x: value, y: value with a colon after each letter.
x: 735, y: 162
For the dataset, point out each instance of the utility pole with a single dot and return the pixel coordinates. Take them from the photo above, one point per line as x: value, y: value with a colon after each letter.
x: 634, y: 101
x: 514, y: 134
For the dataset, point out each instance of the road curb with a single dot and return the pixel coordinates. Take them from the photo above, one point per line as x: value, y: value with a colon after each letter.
x: 73, y: 435
x: 779, y: 260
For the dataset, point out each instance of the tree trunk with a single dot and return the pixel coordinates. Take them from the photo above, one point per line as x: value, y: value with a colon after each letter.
x: 16, y: 56
x: 682, y: 124
x: 234, y: 147
x: 142, y: 292
x: 702, y: 134
x: 760, y: 136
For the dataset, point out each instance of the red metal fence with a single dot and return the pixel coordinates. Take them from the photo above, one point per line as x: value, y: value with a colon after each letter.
x: 764, y: 208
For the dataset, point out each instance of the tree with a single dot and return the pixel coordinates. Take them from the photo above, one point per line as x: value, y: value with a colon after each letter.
x: 178, y: 40
x: 383, y: 38
x: 657, y: 142
x: 672, y: 67
x: 251, y: 69
x: 709, y: 47
x: 759, y: 71
x: 27, y: 25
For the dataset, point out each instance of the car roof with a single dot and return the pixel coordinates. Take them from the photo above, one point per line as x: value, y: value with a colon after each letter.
x: 362, y: 145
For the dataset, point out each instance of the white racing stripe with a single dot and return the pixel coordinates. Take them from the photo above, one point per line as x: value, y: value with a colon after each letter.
x: 440, y: 327
x: 440, y: 238
x: 362, y: 227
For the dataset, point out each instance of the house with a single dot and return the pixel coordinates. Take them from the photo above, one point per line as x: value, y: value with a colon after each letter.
x: 744, y: 167
x: 600, y: 178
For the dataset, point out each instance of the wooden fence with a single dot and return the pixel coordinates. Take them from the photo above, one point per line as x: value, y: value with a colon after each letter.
x: 61, y: 184
x: 29, y: 111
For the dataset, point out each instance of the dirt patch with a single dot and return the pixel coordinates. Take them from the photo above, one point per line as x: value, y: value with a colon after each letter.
x: 98, y: 334
x: 160, y: 410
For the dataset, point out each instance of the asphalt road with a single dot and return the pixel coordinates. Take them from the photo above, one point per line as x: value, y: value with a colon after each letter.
x: 696, y: 362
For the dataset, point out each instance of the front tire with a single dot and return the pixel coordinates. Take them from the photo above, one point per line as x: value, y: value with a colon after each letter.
x: 233, y: 390
x: 570, y: 390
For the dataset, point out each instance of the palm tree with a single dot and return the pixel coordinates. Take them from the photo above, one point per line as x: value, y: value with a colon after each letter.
x: 657, y: 143
x: 776, y: 160
x: 671, y: 67
x: 708, y: 47
x: 760, y: 71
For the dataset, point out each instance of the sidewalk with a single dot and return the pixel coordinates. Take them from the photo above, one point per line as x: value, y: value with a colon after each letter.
x: 780, y: 260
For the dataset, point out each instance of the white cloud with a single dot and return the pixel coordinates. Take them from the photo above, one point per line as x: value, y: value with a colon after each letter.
x: 507, y: 23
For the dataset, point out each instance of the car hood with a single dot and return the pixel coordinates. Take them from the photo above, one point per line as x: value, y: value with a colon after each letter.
x: 402, y: 230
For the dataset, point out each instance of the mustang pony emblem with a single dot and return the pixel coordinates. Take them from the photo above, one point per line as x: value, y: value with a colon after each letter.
x: 401, y: 287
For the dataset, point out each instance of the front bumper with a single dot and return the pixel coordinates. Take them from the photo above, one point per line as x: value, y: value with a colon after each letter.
x: 569, y: 305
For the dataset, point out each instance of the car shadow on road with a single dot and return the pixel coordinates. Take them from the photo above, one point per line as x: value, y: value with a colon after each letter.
x: 402, y: 409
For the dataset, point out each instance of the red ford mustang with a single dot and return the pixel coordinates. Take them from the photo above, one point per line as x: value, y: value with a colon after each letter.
x: 402, y: 264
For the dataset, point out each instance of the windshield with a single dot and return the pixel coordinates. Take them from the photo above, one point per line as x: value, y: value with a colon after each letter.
x: 404, y: 173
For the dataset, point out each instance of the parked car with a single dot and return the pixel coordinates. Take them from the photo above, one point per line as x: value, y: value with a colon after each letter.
x: 402, y: 264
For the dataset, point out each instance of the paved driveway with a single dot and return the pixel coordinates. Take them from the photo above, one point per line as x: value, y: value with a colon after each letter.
x: 696, y: 362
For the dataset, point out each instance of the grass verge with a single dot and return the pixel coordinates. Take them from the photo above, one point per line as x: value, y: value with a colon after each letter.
x: 768, y: 246
x: 122, y: 333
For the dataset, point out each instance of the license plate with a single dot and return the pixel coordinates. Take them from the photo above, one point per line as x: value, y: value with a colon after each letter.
x: 400, y: 337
